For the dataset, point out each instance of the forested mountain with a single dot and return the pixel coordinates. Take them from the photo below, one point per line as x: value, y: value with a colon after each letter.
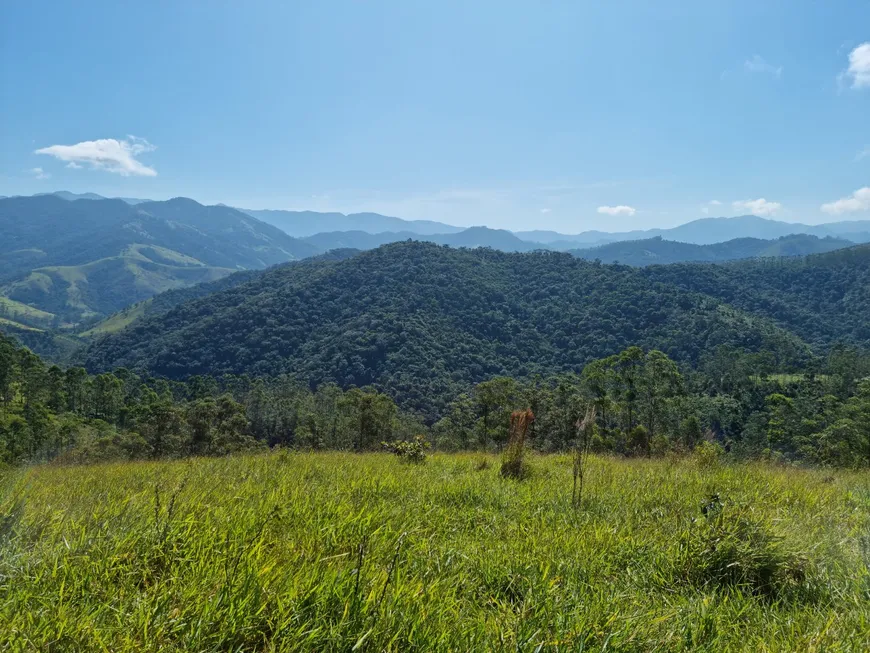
x: 423, y: 322
x: 658, y: 251
x: 165, y: 301
x: 308, y: 223
x: 821, y: 298
x: 82, y: 258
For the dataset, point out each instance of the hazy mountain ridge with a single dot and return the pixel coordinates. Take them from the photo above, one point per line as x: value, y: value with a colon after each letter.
x: 472, y: 237
x: 703, y: 231
x: 657, y: 251
x: 708, y: 231
x: 308, y: 223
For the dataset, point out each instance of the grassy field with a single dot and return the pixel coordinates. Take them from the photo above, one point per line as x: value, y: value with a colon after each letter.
x: 17, y: 311
x: 340, y: 552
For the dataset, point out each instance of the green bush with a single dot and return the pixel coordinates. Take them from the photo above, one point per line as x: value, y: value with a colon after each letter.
x: 730, y: 547
x: 413, y: 451
x: 708, y: 454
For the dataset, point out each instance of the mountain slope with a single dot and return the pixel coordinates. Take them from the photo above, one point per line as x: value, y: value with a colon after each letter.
x: 424, y: 322
x: 166, y: 301
x: 658, y: 251
x: 104, y: 286
x: 307, y: 223
x: 48, y: 244
x: 47, y: 230
x: 822, y: 298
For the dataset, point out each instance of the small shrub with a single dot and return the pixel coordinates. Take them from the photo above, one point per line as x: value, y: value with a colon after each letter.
x: 413, y: 451
x: 659, y: 445
x: 481, y: 465
x: 638, y: 440
x: 283, y: 454
x: 728, y: 547
x: 708, y: 454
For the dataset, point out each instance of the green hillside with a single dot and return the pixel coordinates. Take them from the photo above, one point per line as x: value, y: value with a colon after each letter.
x: 48, y: 231
x: 99, y: 288
x: 16, y: 311
x: 168, y: 300
x: 424, y: 322
x: 83, y: 259
x: 822, y: 298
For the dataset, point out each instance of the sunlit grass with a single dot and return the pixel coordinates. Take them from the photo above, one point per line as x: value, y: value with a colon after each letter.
x: 334, y: 551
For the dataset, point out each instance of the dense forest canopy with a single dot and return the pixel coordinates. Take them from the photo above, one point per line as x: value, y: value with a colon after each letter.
x: 423, y: 323
x: 822, y: 298
x: 644, y: 403
x: 346, y: 350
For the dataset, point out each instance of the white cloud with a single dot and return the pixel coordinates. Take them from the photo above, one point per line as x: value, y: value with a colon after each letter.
x: 106, y: 154
x: 859, y: 201
x: 758, y: 207
x: 546, y: 210
x: 39, y: 173
x: 705, y: 208
x: 859, y: 66
x: 758, y: 65
x: 863, y: 154
x: 617, y: 210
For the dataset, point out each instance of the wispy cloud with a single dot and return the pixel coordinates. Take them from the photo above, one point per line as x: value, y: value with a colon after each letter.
x: 705, y: 208
x: 118, y: 156
x: 545, y: 211
x: 859, y: 66
x: 758, y: 207
x: 617, y: 210
x: 39, y: 173
x: 863, y: 154
x: 759, y: 65
x: 858, y: 201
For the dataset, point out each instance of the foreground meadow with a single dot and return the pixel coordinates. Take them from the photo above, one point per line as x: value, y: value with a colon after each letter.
x: 320, y: 552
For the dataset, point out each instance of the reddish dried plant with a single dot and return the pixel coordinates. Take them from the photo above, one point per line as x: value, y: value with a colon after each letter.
x: 513, y: 465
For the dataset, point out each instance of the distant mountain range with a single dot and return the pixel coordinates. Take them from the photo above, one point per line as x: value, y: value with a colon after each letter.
x: 657, y: 251
x: 71, y: 259
x: 708, y: 231
x: 65, y: 194
x: 308, y: 223
x: 82, y: 259
x: 472, y: 237
x: 704, y: 231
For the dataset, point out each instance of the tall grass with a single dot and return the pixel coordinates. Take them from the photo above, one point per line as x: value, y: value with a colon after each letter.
x: 336, y: 552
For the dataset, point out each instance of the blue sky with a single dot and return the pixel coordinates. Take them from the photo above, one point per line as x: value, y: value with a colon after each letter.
x: 562, y: 115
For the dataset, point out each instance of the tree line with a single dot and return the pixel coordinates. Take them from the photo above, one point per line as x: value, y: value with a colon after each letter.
x: 644, y: 403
